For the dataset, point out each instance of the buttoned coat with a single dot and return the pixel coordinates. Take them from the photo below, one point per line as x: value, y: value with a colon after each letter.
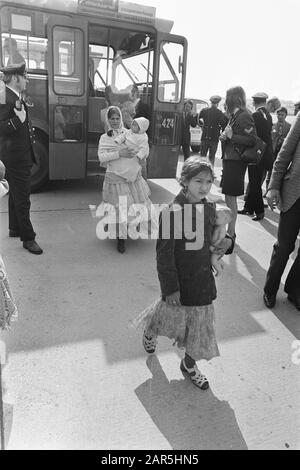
x: 214, y: 121
x: 286, y: 171
x: 16, y: 138
x: 184, y: 269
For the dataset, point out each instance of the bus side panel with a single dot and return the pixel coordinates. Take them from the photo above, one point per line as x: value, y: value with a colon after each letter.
x: 163, y: 161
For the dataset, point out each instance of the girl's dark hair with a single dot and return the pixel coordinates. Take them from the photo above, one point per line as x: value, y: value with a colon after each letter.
x: 112, y: 111
x: 192, y: 167
x: 235, y: 98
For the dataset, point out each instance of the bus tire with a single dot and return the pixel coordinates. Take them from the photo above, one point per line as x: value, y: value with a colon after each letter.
x: 195, y: 148
x: 40, y: 170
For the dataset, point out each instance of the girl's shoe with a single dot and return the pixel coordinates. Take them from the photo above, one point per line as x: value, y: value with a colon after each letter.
x: 195, y: 375
x: 149, y: 343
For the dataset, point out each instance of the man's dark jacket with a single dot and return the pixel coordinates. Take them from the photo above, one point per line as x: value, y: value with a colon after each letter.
x: 214, y: 121
x: 263, y: 123
x: 187, y: 121
x: 16, y: 138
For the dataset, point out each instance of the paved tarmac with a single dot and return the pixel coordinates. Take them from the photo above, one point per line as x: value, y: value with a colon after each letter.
x: 78, y: 375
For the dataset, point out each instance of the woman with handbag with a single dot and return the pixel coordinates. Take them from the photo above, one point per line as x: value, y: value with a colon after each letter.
x: 239, y: 134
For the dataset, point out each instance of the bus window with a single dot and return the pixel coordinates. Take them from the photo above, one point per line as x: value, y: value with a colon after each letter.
x: 100, y: 66
x: 28, y: 49
x: 68, y: 124
x: 69, y: 73
x: 133, y: 61
x: 170, y: 72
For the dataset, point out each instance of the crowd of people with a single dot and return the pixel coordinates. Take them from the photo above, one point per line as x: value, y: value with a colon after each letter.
x: 184, y: 311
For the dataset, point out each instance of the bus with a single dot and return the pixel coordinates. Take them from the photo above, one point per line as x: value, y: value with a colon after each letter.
x: 76, y: 51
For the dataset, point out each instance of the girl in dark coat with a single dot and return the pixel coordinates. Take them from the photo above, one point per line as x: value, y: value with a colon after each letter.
x: 184, y: 250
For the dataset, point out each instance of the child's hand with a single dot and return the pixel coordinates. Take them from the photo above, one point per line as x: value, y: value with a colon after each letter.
x: 173, y: 299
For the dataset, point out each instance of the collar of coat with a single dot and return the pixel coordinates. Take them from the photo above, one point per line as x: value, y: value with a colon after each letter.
x: 181, y: 199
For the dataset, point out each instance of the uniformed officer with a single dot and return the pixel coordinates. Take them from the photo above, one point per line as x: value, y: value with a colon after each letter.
x: 16, y: 152
x: 213, y: 121
x: 188, y: 120
x: 297, y: 107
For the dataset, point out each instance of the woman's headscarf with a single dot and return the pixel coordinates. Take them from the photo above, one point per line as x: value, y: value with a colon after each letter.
x: 110, y: 129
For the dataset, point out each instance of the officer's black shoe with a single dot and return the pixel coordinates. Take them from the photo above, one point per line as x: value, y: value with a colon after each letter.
x: 13, y: 234
x: 295, y: 300
x: 269, y: 300
x: 33, y: 247
x: 258, y: 217
x: 245, y: 212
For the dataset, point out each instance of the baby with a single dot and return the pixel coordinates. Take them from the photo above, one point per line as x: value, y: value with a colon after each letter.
x: 220, y: 244
x: 136, y: 138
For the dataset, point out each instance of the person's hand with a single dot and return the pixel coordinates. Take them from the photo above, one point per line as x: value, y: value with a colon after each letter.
x: 218, y: 267
x: 223, y: 137
x: 21, y: 114
x: 127, y: 153
x: 173, y: 299
x: 273, y: 198
x: 228, y: 132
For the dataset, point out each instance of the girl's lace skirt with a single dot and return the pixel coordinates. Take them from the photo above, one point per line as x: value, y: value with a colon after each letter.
x: 8, y: 309
x: 191, y: 328
x: 126, y: 209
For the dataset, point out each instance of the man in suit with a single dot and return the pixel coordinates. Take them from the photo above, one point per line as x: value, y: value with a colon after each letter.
x: 263, y: 122
x: 188, y: 119
x: 213, y: 123
x: 284, y: 191
x: 16, y: 152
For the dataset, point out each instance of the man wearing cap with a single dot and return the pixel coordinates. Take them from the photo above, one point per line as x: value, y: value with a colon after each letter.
x: 188, y: 119
x: 16, y: 152
x: 213, y: 122
x: 263, y: 122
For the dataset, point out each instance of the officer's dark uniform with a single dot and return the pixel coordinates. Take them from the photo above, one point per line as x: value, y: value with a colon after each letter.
x: 188, y: 120
x: 263, y: 123
x: 214, y: 121
x: 16, y: 152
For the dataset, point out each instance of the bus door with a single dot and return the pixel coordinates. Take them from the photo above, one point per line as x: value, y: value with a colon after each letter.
x: 168, y: 104
x: 68, y: 97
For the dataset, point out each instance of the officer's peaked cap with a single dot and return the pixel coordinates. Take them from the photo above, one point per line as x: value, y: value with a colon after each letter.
x: 260, y: 96
x: 14, y: 69
x: 215, y: 99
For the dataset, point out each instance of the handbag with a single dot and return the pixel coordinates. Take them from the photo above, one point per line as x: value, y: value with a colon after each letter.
x: 253, y: 155
x: 250, y: 155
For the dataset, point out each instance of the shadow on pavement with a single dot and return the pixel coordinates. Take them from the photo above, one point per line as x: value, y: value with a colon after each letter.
x: 283, y: 310
x: 188, y: 418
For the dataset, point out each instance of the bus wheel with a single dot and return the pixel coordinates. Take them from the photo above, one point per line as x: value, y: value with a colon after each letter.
x: 40, y: 170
